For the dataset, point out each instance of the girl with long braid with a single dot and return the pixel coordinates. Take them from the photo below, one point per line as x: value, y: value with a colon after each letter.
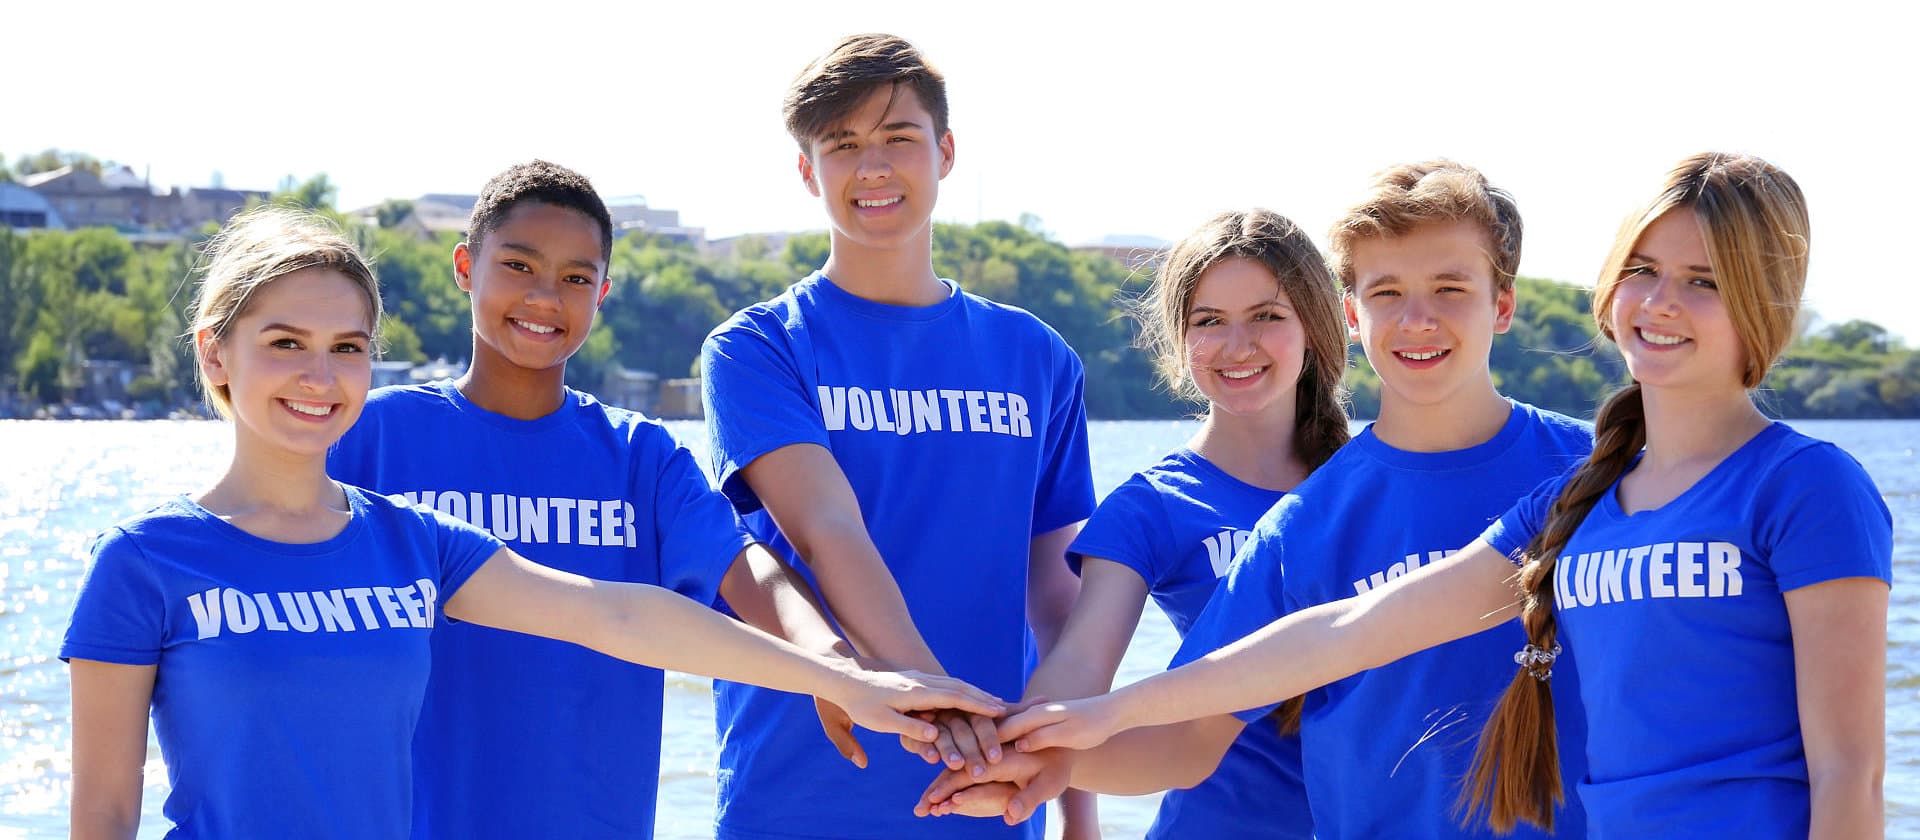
x: 1722, y: 577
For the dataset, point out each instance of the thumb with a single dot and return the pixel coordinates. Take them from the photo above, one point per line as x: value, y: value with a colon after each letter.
x: 1050, y: 782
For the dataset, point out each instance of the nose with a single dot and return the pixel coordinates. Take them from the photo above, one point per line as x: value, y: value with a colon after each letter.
x: 1662, y: 296
x: 1416, y: 315
x: 542, y: 293
x: 874, y: 164
x: 318, y: 374
x: 1239, y: 342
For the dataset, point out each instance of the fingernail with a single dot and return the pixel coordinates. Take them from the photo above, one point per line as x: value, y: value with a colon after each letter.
x: 993, y: 754
x: 931, y: 755
x: 953, y: 758
x: 979, y: 771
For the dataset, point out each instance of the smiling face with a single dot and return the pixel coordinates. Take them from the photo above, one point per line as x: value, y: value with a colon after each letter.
x: 1667, y: 314
x: 1245, y: 344
x: 295, y: 364
x: 1425, y: 307
x: 879, y: 171
x: 536, y: 280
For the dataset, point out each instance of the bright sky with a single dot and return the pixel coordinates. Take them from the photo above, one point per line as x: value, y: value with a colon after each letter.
x: 1107, y: 119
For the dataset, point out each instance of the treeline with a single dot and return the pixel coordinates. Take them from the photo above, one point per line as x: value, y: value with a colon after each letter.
x: 75, y: 296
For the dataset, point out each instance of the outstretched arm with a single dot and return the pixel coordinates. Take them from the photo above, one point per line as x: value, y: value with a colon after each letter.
x: 1840, y: 668
x: 1464, y: 594
x: 657, y: 627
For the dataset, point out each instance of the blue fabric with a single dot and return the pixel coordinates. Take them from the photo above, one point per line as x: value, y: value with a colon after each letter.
x: 1177, y: 523
x: 523, y: 736
x: 1689, y: 598
x: 289, y: 676
x: 962, y: 430
x: 1386, y: 750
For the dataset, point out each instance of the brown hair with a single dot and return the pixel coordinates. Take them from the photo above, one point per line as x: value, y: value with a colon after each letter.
x: 1412, y: 195
x: 1753, y: 219
x: 256, y: 248
x: 835, y: 84
x: 1277, y: 244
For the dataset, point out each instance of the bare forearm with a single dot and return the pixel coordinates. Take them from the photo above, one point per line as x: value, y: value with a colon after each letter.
x: 1155, y: 758
x: 766, y: 593
x: 860, y: 591
x: 1848, y: 804
x: 1462, y: 595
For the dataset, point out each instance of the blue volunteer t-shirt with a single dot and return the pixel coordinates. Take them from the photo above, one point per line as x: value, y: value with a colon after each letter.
x: 523, y: 736
x: 1178, y: 523
x: 289, y: 676
x: 1386, y: 750
x: 962, y: 430
x: 1679, y: 619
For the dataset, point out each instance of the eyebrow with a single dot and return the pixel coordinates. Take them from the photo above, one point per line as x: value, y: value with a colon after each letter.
x: 304, y: 333
x: 535, y: 253
x: 897, y: 125
x: 1642, y: 258
x: 1201, y: 307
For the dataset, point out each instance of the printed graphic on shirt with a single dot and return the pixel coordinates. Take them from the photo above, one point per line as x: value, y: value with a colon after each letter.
x: 229, y: 610
x: 534, y: 519
x: 1660, y: 570
x: 1222, y: 546
x: 931, y: 410
x: 1411, y: 562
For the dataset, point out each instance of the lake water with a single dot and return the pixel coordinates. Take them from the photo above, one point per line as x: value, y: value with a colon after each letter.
x: 61, y: 483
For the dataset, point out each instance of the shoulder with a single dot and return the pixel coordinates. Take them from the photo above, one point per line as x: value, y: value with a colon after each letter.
x: 1563, y: 430
x: 169, y: 519
x: 1792, y: 458
x: 768, y: 317
x: 1012, y: 321
x: 408, y: 397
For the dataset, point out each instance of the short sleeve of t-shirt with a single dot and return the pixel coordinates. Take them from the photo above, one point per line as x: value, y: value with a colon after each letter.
x: 1821, y: 518
x: 755, y: 400
x: 699, y: 533
x: 463, y: 550
x: 1128, y: 528
x: 1248, y: 598
x: 1065, y: 492
x: 120, y: 613
x: 1514, y: 530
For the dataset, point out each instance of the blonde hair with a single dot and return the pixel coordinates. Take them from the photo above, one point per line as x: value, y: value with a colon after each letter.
x: 1753, y: 219
x: 1413, y: 195
x: 1279, y: 246
x: 256, y: 248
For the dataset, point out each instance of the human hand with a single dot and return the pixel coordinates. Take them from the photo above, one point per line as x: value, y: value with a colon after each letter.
x: 1014, y: 789
x: 1074, y: 725
x: 966, y: 741
x: 839, y: 728
x: 881, y: 700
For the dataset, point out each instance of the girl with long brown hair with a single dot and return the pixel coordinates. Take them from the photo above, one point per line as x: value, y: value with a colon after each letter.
x: 1243, y: 315
x: 1722, y: 577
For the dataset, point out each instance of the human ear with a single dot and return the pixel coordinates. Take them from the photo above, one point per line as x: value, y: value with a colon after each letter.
x: 806, y: 175
x: 1503, y: 307
x: 463, y: 267
x: 605, y: 287
x: 946, y: 153
x: 1353, y: 316
x: 212, y: 367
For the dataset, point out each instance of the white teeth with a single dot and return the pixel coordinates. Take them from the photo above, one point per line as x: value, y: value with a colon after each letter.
x: 1242, y: 374
x: 1421, y: 357
x: 308, y: 409
x: 537, y: 329
x: 1661, y: 338
x: 878, y: 202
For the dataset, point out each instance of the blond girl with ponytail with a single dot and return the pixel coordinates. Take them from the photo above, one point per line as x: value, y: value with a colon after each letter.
x: 1722, y: 578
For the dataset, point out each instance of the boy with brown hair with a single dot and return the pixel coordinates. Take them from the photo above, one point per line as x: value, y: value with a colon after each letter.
x: 919, y: 450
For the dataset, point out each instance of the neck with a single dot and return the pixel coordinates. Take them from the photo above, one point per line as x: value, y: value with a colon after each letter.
x: 1459, y: 422
x: 1687, y: 425
x: 902, y: 276
x: 263, y: 479
x: 502, y: 387
x: 1260, y: 450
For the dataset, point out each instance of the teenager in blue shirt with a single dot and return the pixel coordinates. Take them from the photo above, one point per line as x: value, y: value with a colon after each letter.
x: 1428, y: 259
x: 566, y: 743
x: 921, y: 451
x: 1244, y: 315
x: 1722, y: 578
x: 276, y: 625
